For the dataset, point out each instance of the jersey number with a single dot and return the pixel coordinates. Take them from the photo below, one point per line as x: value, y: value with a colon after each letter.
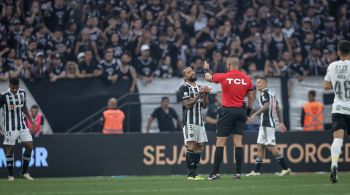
x: 338, y: 89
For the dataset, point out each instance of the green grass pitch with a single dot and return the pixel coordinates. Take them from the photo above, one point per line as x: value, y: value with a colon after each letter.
x: 178, y: 185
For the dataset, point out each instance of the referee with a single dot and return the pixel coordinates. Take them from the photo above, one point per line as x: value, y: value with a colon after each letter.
x: 14, y: 106
x: 235, y: 86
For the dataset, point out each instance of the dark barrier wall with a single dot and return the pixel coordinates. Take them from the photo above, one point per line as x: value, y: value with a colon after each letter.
x: 148, y: 154
x: 67, y: 102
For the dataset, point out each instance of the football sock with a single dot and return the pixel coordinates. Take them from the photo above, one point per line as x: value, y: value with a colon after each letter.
x: 238, y: 157
x: 26, y: 159
x: 336, y: 151
x: 280, y: 160
x: 9, y: 163
x: 218, y: 159
x: 258, y: 164
x: 197, y: 159
x: 190, y: 162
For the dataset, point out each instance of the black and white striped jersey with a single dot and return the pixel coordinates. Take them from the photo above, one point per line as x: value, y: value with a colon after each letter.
x: 267, y: 117
x: 12, y: 106
x: 192, y: 115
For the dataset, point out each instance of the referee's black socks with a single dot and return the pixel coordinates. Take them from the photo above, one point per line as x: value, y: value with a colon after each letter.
x: 239, y: 158
x: 191, y: 162
x: 9, y: 163
x: 280, y: 160
x: 26, y: 160
x: 218, y: 159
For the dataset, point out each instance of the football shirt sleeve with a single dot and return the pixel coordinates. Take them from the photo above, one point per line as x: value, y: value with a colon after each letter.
x: 217, y: 77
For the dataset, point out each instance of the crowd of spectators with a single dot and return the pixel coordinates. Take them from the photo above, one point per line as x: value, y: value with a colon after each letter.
x: 44, y: 39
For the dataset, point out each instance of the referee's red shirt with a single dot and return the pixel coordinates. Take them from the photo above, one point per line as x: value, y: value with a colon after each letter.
x: 235, y: 86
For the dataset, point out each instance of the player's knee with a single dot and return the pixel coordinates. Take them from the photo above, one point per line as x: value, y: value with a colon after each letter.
x: 9, y: 150
x: 274, y: 150
x: 261, y: 146
x: 237, y: 143
x: 339, y: 133
x: 191, y: 146
x: 28, y: 147
x: 199, y: 147
x: 220, y: 142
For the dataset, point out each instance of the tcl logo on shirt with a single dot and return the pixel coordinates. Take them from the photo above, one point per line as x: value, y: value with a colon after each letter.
x: 236, y: 81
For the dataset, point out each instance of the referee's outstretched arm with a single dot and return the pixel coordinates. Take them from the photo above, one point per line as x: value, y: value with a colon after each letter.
x: 207, y: 74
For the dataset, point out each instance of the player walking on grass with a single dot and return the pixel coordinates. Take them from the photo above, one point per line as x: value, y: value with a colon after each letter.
x: 338, y: 79
x: 13, y: 103
x: 235, y: 86
x: 194, y: 99
x: 266, y: 138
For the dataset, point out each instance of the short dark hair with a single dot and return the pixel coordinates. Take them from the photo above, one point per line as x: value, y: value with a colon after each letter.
x: 344, y: 47
x: 312, y: 93
x: 35, y: 107
x: 14, y: 81
x: 262, y: 78
x: 165, y: 98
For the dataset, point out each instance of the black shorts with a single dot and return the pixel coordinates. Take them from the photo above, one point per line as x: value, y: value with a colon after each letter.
x: 231, y: 120
x: 341, y: 121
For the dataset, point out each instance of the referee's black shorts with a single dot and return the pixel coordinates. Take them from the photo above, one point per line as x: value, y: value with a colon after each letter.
x: 231, y: 121
x: 341, y: 121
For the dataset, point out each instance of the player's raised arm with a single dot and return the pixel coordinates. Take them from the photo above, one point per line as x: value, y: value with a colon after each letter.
x: 207, y: 74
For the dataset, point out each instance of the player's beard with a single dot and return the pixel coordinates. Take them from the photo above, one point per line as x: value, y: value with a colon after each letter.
x: 192, y: 79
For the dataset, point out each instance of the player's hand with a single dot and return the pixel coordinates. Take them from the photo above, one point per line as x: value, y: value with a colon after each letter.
x: 251, y: 118
x: 205, y: 90
x: 282, y: 128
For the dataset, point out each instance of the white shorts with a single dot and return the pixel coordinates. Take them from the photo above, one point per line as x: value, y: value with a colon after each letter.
x: 194, y: 133
x: 21, y: 136
x: 267, y: 136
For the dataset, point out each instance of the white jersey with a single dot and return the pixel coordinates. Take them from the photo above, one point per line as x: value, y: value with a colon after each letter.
x: 338, y: 73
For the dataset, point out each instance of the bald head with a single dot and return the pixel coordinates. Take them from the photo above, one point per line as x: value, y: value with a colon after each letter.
x: 112, y: 103
x: 232, y: 63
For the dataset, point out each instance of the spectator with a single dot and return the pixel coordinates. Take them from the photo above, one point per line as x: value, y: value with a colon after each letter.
x: 39, y: 67
x: 165, y: 70
x: 72, y: 70
x: 313, y: 63
x: 312, y: 114
x: 126, y: 72
x: 184, y: 30
x: 278, y: 42
x: 4, y: 75
x: 165, y: 116
x: 85, y: 44
x: 113, y: 118
x: 56, y: 15
x: 38, y: 119
x: 59, y: 44
x: 56, y: 68
x: 107, y: 68
x: 213, y: 113
x: 114, y: 43
x: 218, y: 65
x: 88, y: 66
x: 145, y: 65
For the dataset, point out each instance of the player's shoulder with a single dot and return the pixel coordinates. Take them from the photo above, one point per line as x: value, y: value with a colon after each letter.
x: 333, y: 64
x: 21, y: 91
x: 183, y: 86
x: 6, y: 92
